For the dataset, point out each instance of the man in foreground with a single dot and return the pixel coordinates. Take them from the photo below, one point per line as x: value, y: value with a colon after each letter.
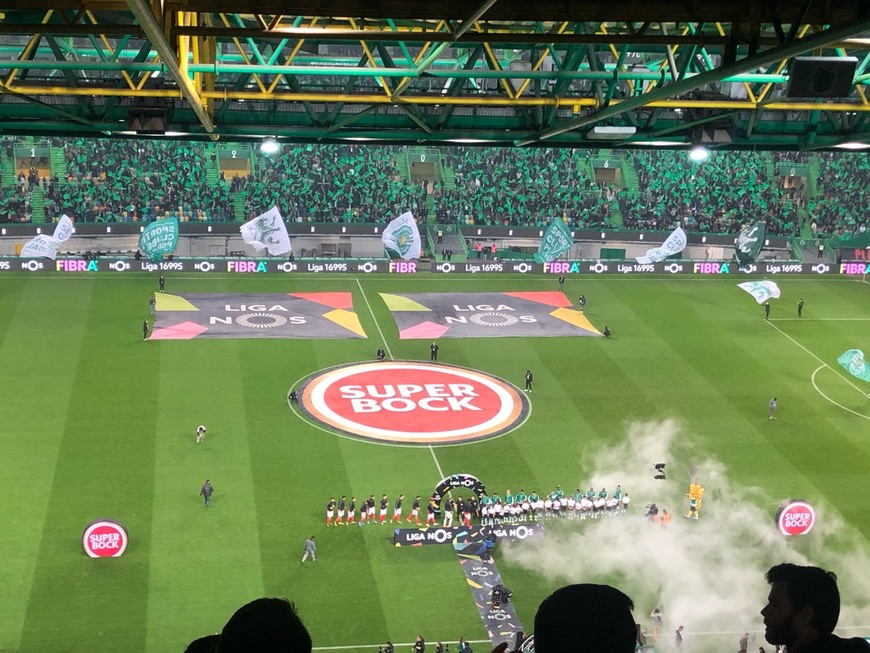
x: 802, y: 610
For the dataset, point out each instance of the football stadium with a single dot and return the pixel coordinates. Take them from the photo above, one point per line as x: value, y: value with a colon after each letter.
x: 505, y: 297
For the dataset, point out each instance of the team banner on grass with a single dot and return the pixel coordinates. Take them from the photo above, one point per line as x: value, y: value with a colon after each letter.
x: 749, y: 242
x: 267, y: 232
x: 761, y: 290
x: 674, y: 244
x: 853, y: 362
x: 159, y: 238
x: 402, y: 237
x: 294, y: 315
x: 483, y: 577
x: 427, y: 316
x: 556, y: 241
x: 47, y: 246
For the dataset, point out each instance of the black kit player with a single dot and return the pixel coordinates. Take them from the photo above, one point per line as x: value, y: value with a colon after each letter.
x: 382, y: 516
x: 330, y: 510
x: 415, y: 511
x: 397, y: 510
x: 339, y: 517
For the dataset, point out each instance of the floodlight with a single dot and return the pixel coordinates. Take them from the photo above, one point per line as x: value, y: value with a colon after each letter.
x: 699, y: 153
x: 269, y: 146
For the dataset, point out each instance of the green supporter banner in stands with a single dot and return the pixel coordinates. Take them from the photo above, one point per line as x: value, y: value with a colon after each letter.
x: 750, y: 242
x: 556, y: 241
x: 159, y: 239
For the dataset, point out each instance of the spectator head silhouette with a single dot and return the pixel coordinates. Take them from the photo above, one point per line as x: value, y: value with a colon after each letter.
x: 585, y: 618
x: 207, y: 644
x: 265, y: 626
x: 803, y: 605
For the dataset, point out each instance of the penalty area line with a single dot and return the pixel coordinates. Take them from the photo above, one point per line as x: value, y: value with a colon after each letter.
x: 824, y: 364
x: 848, y: 410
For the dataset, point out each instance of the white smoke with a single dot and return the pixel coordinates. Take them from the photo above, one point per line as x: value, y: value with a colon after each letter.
x: 707, y: 574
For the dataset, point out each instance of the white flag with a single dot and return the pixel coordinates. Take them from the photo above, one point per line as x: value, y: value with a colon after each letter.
x: 403, y: 237
x: 47, y: 246
x: 674, y: 244
x: 64, y: 228
x: 761, y: 290
x: 267, y: 232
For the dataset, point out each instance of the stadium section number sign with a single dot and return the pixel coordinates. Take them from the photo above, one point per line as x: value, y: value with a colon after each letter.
x: 406, y: 402
x: 105, y: 538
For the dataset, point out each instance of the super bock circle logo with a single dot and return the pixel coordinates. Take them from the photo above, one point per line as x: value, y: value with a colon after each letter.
x: 105, y: 538
x: 404, y: 402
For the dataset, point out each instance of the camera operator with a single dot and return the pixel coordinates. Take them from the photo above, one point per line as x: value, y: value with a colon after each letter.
x: 387, y: 648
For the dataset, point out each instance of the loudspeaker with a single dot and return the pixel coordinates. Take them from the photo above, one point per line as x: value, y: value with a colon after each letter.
x: 821, y: 77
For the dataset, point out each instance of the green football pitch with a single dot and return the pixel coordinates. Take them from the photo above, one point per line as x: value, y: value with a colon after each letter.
x: 97, y: 423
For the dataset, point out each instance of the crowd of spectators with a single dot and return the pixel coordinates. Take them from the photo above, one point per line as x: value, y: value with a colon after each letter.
x: 521, y: 187
x: 844, y: 179
x: 139, y: 181
x: 331, y: 183
x: 132, y: 181
x: 719, y: 195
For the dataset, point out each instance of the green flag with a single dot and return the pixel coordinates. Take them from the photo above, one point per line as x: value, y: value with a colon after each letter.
x: 853, y: 362
x: 749, y: 242
x: 159, y: 238
x: 556, y: 241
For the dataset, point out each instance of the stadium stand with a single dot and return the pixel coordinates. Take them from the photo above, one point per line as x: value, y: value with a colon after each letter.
x: 720, y: 195
x: 497, y: 186
x: 795, y: 193
x: 843, y: 182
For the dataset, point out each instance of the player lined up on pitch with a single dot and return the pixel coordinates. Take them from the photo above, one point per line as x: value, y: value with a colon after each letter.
x: 489, y: 509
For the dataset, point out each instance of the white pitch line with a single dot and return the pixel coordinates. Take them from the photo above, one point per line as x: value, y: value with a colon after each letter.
x: 848, y: 410
x: 820, y: 319
x: 372, y: 313
x: 824, y: 364
x: 390, y: 354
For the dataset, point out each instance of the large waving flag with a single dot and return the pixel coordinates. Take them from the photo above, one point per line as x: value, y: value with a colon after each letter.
x: 267, y: 232
x: 749, y: 242
x: 47, y: 246
x: 674, y: 244
x: 761, y: 290
x: 853, y: 362
x: 402, y: 237
x: 556, y: 241
x: 159, y: 238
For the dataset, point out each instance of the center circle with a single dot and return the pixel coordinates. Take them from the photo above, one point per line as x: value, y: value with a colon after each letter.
x: 407, y: 402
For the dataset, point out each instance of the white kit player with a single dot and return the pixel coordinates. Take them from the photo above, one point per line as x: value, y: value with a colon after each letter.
x: 200, y: 433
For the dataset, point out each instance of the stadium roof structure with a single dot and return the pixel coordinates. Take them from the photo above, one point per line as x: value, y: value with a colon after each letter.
x: 767, y: 74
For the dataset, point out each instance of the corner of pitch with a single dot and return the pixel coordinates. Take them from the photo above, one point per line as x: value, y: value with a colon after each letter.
x: 416, y: 403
